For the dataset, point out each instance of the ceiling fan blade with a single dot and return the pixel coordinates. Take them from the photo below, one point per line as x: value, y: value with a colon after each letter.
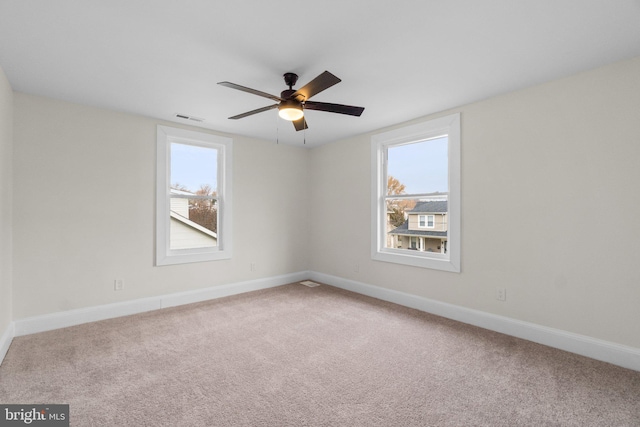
x: 249, y: 90
x: 300, y: 124
x: 334, y: 108
x: 315, y: 86
x: 252, y: 112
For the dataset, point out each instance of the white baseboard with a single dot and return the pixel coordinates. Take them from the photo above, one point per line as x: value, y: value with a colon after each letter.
x: 627, y: 357
x: 5, y: 340
x: 65, y: 319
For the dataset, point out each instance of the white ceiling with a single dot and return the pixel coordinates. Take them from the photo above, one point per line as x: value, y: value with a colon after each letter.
x: 399, y: 59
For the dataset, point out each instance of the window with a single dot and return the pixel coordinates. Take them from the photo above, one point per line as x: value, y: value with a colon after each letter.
x: 414, y: 243
x: 426, y: 221
x: 416, y: 195
x: 193, y: 192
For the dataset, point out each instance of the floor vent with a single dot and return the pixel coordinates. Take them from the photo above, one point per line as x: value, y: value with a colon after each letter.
x: 310, y: 284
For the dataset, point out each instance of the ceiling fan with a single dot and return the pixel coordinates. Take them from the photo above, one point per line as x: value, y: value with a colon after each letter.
x: 292, y: 103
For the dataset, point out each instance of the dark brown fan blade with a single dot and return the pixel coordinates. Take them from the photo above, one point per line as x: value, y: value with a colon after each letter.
x: 252, y: 112
x: 315, y: 86
x: 334, y: 108
x: 249, y: 90
x: 300, y: 124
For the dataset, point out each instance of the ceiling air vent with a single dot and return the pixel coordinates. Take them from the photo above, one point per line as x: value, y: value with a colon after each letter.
x: 192, y: 118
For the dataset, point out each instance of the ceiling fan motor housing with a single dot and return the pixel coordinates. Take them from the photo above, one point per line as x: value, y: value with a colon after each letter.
x: 290, y: 79
x: 286, y: 94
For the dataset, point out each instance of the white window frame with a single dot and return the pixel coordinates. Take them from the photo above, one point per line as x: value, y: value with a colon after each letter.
x: 449, y: 126
x: 223, y: 250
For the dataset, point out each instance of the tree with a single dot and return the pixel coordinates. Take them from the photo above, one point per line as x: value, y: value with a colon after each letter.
x: 396, y: 216
x: 178, y: 186
x: 394, y: 186
x: 397, y: 208
x: 204, y: 211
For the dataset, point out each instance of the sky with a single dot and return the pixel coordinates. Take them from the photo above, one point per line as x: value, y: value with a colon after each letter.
x: 422, y: 167
x: 193, y: 166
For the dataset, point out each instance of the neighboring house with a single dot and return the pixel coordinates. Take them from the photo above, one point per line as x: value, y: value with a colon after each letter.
x: 186, y: 234
x: 425, y: 229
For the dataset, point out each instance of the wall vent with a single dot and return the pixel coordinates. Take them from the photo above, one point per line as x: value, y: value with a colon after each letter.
x: 192, y: 118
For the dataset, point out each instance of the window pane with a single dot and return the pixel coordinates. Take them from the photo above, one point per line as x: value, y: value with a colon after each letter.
x: 194, y: 221
x: 194, y: 168
x: 418, y: 168
x: 406, y: 229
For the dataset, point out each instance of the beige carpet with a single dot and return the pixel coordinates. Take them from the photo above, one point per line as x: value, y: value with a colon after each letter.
x: 299, y: 356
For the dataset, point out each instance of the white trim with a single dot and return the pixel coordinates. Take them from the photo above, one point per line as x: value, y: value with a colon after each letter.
x: 606, y: 351
x: 449, y: 126
x: 5, y: 340
x: 47, y: 322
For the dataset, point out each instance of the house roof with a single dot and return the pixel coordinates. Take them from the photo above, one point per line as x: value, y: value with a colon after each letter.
x: 404, y: 230
x: 181, y: 192
x: 192, y: 224
x: 432, y: 206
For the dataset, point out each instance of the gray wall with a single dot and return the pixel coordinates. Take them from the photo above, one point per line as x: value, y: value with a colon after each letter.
x: 6, y: 147
x: 546, y: 172
x: 84, y: 186
x: 550, y: 208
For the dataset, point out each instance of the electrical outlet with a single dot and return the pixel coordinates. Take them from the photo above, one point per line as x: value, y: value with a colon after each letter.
x: 118, y: 284
x: 253, y: 266
x: 356, y: 268
x: 501, y: 294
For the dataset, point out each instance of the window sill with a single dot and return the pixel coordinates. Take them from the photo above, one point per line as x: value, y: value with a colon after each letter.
x: 415, y: 258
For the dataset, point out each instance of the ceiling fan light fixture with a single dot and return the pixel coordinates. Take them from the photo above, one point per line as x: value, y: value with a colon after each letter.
x: 290, y: 110
x: 291, y: 103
